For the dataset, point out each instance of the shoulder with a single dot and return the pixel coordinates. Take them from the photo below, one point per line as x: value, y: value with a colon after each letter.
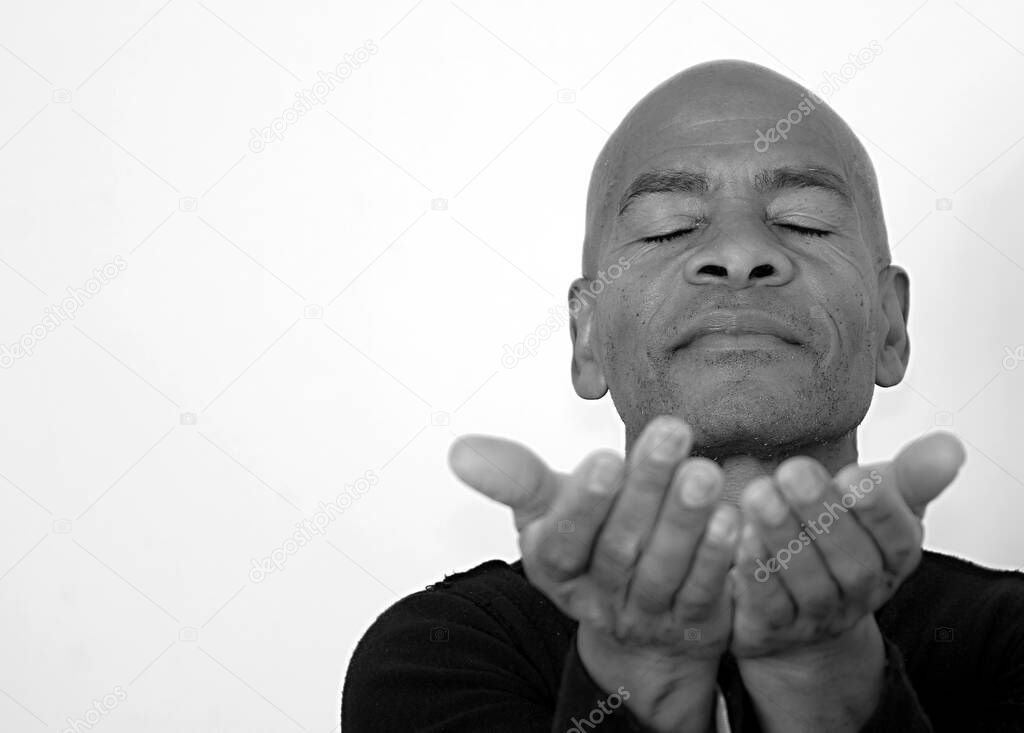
x: 952, y: 607
x: 494, y: 597
x: 967, y: 582
x: 487, y: 623
x: 960, y: 629
x: 945, y: 586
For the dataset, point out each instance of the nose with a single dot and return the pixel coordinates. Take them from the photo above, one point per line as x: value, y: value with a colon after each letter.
x: 740, y: 258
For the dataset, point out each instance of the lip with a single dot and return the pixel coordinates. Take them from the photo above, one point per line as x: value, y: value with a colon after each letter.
x: 737, y: 329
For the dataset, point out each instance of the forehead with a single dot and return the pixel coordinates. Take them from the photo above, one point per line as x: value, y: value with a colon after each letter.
x: 726, y: 146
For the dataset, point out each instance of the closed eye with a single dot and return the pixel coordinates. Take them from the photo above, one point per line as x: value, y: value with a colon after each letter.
x: 805, y: 231
x: 670, y: 236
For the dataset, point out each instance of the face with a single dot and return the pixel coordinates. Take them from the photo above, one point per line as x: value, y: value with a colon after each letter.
x: 746, y: 298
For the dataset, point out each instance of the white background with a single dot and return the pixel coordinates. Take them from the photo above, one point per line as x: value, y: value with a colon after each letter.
x: 127, y: 537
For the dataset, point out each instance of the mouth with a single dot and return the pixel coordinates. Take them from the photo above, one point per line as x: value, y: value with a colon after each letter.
x: 744, y: 330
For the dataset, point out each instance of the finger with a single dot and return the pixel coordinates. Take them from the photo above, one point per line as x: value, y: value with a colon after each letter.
x: 883, y: 513
x: 802, y: 571
x: 558, y: 546
x: 650, y: 465
x: 924, y: 468
x: 846, y: 549
x: 696, y: 487
x: 705, y: 583
x: 507, y: 472
x: 761, y: 600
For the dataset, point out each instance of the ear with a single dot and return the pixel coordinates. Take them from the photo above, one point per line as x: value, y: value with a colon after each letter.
x: 587, y: 376
x: 894, y: 354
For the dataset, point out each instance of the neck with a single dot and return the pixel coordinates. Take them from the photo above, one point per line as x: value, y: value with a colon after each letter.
x: 742, y: 466
x: 740, y: 469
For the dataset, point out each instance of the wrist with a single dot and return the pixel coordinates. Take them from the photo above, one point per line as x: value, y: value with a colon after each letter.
x: 835, y: 685
x: 857, y: 650
x: 667, y: 692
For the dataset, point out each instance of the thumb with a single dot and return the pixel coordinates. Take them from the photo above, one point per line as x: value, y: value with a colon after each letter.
x: 507, y: 472
x: 924, y: 468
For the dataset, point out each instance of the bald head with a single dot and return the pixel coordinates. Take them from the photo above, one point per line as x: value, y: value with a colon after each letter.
x: 736, y: 268
x: 720, y: 103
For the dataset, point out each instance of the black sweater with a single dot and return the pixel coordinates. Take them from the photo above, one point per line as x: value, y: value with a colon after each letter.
x: 485, y: 651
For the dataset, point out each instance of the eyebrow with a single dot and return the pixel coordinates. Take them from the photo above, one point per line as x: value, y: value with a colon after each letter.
x: 766, y: 180
x: 811, y: 176
x: 664, y: 181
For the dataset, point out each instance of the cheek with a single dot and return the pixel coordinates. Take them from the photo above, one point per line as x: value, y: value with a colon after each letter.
x: 625, y: 313
x: 854, y: 318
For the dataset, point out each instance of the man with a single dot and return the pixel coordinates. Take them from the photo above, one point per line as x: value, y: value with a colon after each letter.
x: 738, y: 570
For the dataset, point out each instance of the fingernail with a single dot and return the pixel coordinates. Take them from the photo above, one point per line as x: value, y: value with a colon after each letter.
x: 698, y: 486
x: 804, y: 482
x: 723, y: 528
x: 771, y: 507
x: 667, y: 440
x: 602, y: 475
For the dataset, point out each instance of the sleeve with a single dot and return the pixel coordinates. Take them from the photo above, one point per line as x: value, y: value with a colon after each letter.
x: 898, y: 707
x: 583, y: 705
x: 440, y: 662
x: 435, y: 661
x: 1000, y: 672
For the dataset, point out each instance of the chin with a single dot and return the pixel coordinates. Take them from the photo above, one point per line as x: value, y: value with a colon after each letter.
x: 751, y: 409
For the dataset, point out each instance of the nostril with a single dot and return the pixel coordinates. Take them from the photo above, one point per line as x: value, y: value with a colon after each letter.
x: 762, y: 271
x: 713, y: 270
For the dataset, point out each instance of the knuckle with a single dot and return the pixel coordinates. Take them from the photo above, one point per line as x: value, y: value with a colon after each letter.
x: 861, y: 579
x: 695, y: 603
x: 556, y: 561
x: 862, y: 582
x: 618, y: 552
x: 905, y: 557
x: 593, y: 613
x: 649, y: 596
x: 778, y: 613
x: 819, y: 605
x: 629, y: 625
